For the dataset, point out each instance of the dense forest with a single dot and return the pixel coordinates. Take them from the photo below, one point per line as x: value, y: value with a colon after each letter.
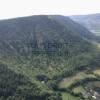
x: 38, y: 53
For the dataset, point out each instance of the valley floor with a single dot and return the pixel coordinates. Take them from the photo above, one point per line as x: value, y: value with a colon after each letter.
x: 84, y: 85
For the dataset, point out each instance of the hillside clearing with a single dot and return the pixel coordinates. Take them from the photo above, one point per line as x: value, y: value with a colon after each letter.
x: 67, y: 82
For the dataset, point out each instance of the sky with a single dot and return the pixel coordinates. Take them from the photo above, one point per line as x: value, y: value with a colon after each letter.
x: 19, y: 8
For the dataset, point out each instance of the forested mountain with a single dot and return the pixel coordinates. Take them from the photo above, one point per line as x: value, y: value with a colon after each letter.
x: 37, y: 52
x: 74, y: 27
x: 91, y: 22
x: 20, y: 36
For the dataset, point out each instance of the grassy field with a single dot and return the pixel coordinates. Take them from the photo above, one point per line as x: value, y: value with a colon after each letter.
x: 78, y: 89
x: 67, y: 96
x: 94, y: 84
x: 97, y: 72
x: 67, y: 82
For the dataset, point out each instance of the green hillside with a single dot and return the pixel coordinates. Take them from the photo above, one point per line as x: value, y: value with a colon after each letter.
x: 38, y: 52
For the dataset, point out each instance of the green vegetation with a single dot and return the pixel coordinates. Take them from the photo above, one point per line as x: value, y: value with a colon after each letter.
x: 78, y: 90
x: 42, y: 58
x: 67, y: 96
x: 17, y: 87
x: 97, y: 72
x: 67, y: 82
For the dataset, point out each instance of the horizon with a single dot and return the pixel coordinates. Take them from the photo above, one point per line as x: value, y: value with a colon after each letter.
x: 47, y: 15
x: 23, y: 8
